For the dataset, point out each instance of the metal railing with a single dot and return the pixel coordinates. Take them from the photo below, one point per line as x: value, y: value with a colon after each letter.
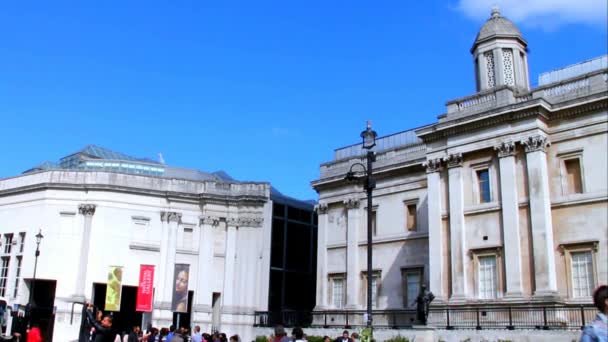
x: 548, y: 317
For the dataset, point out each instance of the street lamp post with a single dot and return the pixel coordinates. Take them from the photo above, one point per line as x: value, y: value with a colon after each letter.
x: 369, y: 141
x: 39, y: 237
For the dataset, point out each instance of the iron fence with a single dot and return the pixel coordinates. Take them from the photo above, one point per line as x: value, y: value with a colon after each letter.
x: 549, y: 317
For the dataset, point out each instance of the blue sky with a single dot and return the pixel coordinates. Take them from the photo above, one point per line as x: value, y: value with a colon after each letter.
x: 264, y: 90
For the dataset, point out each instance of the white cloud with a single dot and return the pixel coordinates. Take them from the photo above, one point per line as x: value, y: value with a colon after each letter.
x: 546, y: 13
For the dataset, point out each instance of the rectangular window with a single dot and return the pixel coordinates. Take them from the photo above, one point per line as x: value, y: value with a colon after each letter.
x: 410, y: 220
x: 188, y: 236
x: 487, y: 277
x: 17, y: 276
x: 574, y: 184
x: 21, y: 242
x: 412, y: 280
x: 337, y: 293
x: 4, y: 275
x: 375, y: 287
x: 8, y: 243
x: 582, y: 274
x: 483, y: 181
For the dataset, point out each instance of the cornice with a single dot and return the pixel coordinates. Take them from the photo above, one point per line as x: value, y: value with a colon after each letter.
x: 252, y: 200
x: 535, y: 108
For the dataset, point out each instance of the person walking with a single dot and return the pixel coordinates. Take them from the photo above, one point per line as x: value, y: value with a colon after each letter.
x: 197, y: 337
x: 280, y: 335
x: 345, y: 337
x: 597, y: 331
x: 298, y: 334
x: 134, y: 335
x: 34, y: 334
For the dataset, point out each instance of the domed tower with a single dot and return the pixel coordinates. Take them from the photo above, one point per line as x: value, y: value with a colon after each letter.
x: 500, y: 54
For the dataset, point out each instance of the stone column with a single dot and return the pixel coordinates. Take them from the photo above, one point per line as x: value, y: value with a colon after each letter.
x: 204, y: 290
x: 322, y: 281
x: 436, y: 236
x: 230, y: 264
x: 162, y: 265
x: 499, y: 67
x: 540, y: 216
x: 173, y: 220
x: 457, y: 227
x: 353, y: 276
x: 87, y: 210
x: 510, y: 219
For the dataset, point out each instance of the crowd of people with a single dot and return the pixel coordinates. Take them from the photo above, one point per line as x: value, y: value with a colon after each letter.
x: 298, y: 335
x: 97, y: 327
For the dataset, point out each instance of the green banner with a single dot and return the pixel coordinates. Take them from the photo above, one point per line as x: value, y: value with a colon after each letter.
x: 113, y: 289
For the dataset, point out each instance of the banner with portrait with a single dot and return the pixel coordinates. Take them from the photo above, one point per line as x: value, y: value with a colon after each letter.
x: 181, y: 275
x: 114, y: 289
x: 145, y: 290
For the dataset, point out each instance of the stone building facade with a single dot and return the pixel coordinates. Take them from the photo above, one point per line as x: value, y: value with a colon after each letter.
x: 503, y: 200
x: 94, y: 216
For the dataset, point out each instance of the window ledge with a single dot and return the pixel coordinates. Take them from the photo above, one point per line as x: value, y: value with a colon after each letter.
x: 383, y: 239
x: 577, y: 199
x: 580, y: 300
x: 186, y: 251
x: 144, y: 246
x: 482, y: 208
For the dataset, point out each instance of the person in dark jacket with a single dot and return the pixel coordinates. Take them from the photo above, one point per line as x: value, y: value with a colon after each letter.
x: 134, y: 335
x: 103, y: 329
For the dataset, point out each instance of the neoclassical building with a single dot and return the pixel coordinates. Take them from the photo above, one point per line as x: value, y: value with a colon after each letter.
x: 503, y: 200
x: 99, y: 208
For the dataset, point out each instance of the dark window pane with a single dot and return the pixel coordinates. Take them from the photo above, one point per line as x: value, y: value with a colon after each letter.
x: 278, y: 210
x: 483, y: 178
x: 299, y: 247
x: 274, y: 294
x: 276, y: 249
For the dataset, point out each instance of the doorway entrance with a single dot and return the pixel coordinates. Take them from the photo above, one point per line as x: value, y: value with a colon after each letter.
x: 42, y: 309
x: 125, y: 319
x: 183, y: 319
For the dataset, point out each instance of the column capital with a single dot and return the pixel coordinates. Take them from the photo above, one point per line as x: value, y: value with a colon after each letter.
x: 453, y: 160
x: 86, y: 209
x: 505, y: 149
x: 432, y: 165
x: 536, y: 143
x: 351, y: 203
x: 170, y: 216
x: 321, y: 208
x: 209, y: 220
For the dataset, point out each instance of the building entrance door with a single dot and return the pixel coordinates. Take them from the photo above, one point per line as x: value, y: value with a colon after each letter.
x: 42, y: 309
x: 183, y: 319
x: 125, y: 319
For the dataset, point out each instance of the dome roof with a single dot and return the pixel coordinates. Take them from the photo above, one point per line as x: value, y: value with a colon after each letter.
x: 498, y: 27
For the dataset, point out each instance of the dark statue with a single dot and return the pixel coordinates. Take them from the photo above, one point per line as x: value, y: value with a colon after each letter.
x: 423, y: 301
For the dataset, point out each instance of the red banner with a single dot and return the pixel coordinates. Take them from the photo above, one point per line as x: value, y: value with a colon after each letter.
x: 145, y: 290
